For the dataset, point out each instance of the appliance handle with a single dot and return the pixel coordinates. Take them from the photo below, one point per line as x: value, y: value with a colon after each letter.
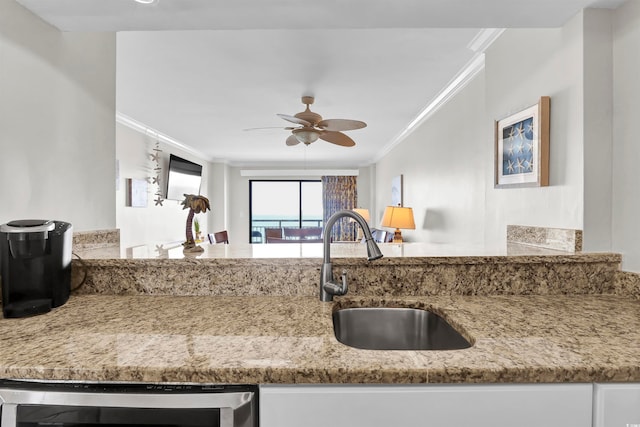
x: 9, y: 413
x: 232, y: 400
x: 9, y: 416
x: 226, y: 417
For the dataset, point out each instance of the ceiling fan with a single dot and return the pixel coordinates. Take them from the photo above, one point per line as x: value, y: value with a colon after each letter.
x: 312, y: 127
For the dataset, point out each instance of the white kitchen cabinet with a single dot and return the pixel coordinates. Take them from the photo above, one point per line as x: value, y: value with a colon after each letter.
x: 616, y: 405
x: 487, y: 405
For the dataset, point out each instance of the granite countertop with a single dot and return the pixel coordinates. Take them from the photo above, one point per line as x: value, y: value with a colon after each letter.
x: 266, y: 339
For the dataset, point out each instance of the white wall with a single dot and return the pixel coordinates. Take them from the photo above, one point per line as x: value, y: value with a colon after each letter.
x: 521, y: 66
x: 443, y: 164
x: 626, y: 147
x: 154, y: 224
x: 598, y: 118
x: 57, y: 126
x: 219, y: 196
x: 366, y: 187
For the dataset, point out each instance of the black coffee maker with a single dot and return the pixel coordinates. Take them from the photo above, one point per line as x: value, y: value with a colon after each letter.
x: 35, y: 266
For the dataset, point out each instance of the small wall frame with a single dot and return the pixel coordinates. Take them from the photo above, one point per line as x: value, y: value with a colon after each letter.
x: 396, y: 191
x: 136, y: 193
x: 522, y: 147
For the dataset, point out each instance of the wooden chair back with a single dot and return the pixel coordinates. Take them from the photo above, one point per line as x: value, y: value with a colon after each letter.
x: 221, y: 237
x: 272, y: 232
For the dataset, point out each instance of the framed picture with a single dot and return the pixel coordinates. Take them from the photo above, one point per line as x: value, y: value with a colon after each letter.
x: 136, y: 193
x: 396, y: 191
x: 522, y: 147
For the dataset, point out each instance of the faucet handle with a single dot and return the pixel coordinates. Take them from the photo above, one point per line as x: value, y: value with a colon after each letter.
x: 345, y: 288
x: 334, y: 288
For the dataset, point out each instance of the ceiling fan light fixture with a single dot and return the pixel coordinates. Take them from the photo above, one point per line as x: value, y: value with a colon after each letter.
x: 145, y: 1
x: 314, y: 127
x: 306, y: 136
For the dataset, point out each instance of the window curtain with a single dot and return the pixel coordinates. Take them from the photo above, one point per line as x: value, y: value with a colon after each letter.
x: 338, y: 193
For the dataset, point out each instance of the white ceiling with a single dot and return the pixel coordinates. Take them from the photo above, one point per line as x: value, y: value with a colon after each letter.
x: 239, y: 62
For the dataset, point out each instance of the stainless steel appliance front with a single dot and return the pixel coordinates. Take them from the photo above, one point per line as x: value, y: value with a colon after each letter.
x: 27, y: 404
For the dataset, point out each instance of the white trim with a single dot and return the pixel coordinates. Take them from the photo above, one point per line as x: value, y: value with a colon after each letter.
x: 298, y: 172
x: 146, y: 130
x: 479, y: 44
x: 484, y: 38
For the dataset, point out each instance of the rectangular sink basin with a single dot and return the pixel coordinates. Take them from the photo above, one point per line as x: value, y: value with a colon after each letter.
x: 386, y: 328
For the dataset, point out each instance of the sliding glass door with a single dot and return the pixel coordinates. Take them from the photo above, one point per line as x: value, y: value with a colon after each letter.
x: 277, y: 205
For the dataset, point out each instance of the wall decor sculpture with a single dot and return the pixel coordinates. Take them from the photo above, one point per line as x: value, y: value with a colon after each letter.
x: 155, y: 180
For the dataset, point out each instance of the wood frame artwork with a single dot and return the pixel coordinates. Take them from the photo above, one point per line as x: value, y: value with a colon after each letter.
x: 522, y: 147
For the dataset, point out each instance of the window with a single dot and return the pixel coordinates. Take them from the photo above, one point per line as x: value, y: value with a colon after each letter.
x: 280, y: 204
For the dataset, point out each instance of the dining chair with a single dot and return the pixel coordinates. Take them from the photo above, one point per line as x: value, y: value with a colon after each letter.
x: 256, y: 236
x: 221, y: 237
x: 270, y: 233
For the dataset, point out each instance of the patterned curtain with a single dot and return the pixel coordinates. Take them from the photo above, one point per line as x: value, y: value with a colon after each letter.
x: 340, y: 192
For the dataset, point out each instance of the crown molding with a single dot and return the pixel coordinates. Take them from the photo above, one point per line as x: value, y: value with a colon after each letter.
x: 298, y: 172
x: 479, y: 44
x: 146, y: 130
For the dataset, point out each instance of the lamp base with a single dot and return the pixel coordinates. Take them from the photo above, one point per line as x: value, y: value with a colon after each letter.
x: 397, y: 236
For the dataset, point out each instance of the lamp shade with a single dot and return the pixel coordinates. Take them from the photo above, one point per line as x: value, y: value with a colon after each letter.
x: 398, y: 217
x: 364, y: 213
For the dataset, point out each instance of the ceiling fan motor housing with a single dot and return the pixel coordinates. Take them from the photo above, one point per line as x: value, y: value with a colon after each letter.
x: 307, y: 114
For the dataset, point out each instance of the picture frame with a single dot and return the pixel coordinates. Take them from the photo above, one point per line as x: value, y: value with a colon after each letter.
x: 396, y: 191
x: 522, y: 147
x: 136, y: 193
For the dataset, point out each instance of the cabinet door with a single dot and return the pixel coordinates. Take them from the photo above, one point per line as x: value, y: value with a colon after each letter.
x: 540, y: 405
x: 616, y: 405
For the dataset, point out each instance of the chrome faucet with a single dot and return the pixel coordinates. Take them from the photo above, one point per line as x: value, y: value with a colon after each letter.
x: 329, y: 288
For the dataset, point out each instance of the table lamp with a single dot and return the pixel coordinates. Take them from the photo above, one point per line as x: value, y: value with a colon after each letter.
x: 398, y: 217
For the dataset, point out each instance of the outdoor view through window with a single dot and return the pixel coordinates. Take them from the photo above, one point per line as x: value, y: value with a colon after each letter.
x: 280, y: 204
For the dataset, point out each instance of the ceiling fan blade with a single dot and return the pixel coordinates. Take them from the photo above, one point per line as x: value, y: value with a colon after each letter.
x: 337, y: 138
x: 271, y: 127
x: 292, y: 140
x: 293, y: 119
x: 335, y: 125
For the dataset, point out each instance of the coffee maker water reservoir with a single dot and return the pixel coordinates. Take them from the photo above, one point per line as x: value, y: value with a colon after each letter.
x: 35, y: 266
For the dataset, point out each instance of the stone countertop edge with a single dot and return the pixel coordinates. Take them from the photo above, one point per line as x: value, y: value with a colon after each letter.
x: 604, y: 257
x: 516, y: 339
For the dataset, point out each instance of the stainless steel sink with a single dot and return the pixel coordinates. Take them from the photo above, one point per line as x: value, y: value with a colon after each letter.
x: 388, y: 328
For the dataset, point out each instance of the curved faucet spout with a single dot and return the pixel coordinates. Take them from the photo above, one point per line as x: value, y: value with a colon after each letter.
x: 329, y: 288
